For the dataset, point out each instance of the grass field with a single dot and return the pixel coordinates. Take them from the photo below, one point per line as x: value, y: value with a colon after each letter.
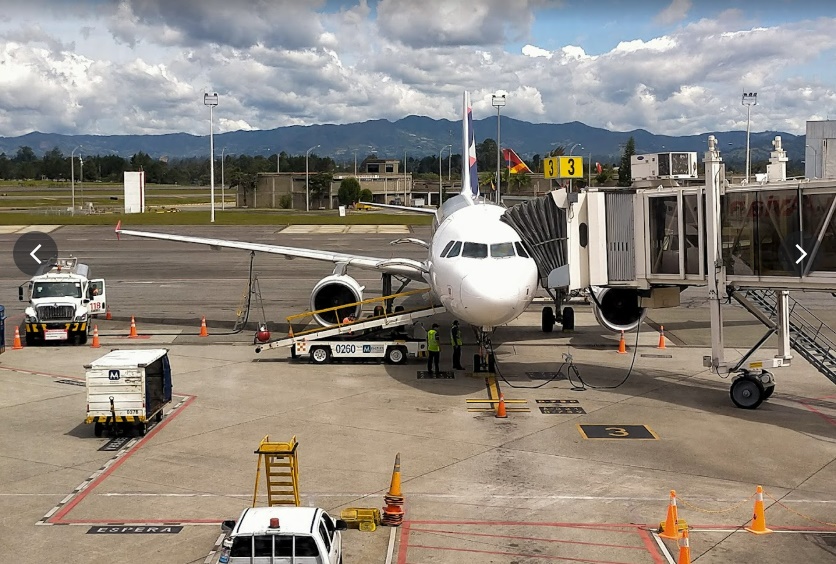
x: 236, y: 217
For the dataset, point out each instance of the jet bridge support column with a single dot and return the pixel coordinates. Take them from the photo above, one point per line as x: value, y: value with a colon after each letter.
x: 783, y: 306
x: 716, y: 275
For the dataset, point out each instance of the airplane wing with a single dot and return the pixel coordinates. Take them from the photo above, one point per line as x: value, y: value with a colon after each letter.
x: 403, y: 208
x: 409, y: 268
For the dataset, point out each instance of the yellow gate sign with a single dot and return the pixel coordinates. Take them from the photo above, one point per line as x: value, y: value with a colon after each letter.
x: 551, y: 167
x: 571, y: 167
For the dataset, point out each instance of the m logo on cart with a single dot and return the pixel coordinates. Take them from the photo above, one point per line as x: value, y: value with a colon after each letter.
x: 113, y: 375
x: 367, y: 349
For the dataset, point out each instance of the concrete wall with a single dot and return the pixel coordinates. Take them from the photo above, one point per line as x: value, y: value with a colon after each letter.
x: 820, y: 154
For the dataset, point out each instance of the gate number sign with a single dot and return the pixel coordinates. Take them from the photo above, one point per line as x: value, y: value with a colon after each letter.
x: 642, y: 432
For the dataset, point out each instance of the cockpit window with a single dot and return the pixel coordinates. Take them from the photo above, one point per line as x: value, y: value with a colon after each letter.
x: 447, y: 248
x: 502, y: 250
x: 454, y: 252
x: 520, y: 249
x: 475, y: 250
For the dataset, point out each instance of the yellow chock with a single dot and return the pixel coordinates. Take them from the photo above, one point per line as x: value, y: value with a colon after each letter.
x: 758, y: 525
x: 684, y: 549
x: 672, y: 526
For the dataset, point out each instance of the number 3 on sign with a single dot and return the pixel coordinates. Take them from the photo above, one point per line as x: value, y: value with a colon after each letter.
x: 550, y: 169
x: 571, y: 167
x: 617, y: 432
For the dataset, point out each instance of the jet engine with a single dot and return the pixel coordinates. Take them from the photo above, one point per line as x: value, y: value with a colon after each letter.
x: 333, y: 291
x: 617, y: 309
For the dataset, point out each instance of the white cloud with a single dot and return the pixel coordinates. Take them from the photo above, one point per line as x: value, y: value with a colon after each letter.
x: 140, y: 67
x: 675, y: 12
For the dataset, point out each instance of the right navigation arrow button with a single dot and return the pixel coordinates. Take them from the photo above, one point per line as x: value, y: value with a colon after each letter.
x: 803, y: 254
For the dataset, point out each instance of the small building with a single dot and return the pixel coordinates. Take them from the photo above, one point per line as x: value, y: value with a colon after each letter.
x: 820, y: 154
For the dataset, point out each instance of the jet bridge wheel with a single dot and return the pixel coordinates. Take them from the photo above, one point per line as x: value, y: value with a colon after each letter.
x: 748, y: 392
x: 547, y: 319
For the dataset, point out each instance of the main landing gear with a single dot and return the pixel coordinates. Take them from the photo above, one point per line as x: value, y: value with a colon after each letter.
x: 749, y: 390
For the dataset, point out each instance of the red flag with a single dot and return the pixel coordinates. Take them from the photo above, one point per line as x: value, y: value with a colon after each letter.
x: 515, y: 163
x: 598, y: 167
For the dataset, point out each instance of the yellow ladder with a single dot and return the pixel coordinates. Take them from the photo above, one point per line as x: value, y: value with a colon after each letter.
x: 281, y: 472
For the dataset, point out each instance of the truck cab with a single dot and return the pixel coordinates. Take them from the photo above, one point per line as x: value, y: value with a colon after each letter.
x: 283, y: 535
x: 62, y: 299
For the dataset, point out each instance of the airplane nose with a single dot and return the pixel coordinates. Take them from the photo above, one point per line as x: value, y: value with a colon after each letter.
x: 489, y: 301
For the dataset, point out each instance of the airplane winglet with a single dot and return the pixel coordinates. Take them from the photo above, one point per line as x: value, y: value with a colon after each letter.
x: 118, y: 229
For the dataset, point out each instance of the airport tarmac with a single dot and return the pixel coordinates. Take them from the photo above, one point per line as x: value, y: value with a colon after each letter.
x: 530, y: 488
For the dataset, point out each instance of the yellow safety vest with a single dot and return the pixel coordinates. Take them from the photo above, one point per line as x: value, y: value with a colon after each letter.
x: 456, y: 336
x: 432, y: 340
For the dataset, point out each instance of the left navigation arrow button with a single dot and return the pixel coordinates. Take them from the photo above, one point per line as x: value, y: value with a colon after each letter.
x: 33, y: 250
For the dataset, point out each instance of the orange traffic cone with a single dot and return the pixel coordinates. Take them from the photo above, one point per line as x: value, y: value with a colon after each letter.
x: 393, y: 512
x: 622, y: 345
x: 107, y: 315
x: 758, y: 525
x: 684, y: 549
x: 133, y: 334
x: 96, y: 343
x: 17, y: 344
x: 661, y: 337
x: 500, y: 407
x: 671, y: 527
x: 203, y: 331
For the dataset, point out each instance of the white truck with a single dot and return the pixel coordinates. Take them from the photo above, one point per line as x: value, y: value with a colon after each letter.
x: 283, y: 535
x: 128, y: 389
x: 62, y: 299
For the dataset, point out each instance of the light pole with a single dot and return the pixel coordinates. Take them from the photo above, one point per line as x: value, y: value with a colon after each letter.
x: 440, y: 175
x: 749, y: 99
x: 211, y: 100
x: 589, y: 172
x: 355, y: 163
x: 223, y: 201
x: 570, y: 154
x: 278, y: 162
x: 72, y: 177
x: 497, y: 101
x: 815, y: 161
x: 307, y: 180
x: 81, y: 179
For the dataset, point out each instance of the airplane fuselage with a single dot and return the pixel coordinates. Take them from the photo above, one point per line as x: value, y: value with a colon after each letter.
x: 478, y: 267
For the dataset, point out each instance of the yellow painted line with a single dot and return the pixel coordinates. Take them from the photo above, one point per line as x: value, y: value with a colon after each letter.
x: 6, y: 229
x: 493, y: 387
x: 495, y: 401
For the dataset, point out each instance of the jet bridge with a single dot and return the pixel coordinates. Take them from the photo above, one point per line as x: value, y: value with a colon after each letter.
x: 657, y: 237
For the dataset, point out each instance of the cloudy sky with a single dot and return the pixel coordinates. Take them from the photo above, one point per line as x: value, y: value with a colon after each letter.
x: 671, y: 67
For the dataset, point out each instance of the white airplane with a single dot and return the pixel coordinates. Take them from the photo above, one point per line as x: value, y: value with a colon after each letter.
x: 477, y: 266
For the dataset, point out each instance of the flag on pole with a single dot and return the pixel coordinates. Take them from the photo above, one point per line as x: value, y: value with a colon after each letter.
x: 598, y: 167
x: 515, y: 163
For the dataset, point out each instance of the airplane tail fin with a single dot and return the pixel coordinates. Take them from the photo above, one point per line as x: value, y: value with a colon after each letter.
x: 515, y: 163
x: 470, y: 176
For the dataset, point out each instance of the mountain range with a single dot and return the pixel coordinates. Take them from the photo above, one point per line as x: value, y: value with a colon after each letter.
x: 416, y: 135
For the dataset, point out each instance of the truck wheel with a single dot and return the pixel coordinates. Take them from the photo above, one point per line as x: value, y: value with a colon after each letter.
x: 98, y: 428
x: 321, y: 355
x: 159, y: 416
x: 31, y: 339
x: 81, y: 339
x: 142, y: 428
x: 396, y: 355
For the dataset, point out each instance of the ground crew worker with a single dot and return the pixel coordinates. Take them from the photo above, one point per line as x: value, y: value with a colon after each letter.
x: 348, y: 320
x: 456, y: 341
x: 434, y: 349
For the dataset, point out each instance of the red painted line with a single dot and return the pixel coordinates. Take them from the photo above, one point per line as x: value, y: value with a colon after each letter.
x: 602, y: 526
x: 515, y: 537
x: 519, y: 554
x: 651, y: 546
x: 827, y: 418
x: 129, y: 522
x: 57, y: 518
x: 404, y: 543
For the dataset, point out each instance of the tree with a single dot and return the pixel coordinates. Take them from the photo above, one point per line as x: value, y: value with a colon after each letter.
x: 320, y: 185
x: 624, y: 177
x: 349, y: 191
x: 366, y: 195
x: 605, y: 176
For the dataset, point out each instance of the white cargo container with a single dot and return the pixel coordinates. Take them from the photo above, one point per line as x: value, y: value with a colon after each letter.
x: 128, y: 388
